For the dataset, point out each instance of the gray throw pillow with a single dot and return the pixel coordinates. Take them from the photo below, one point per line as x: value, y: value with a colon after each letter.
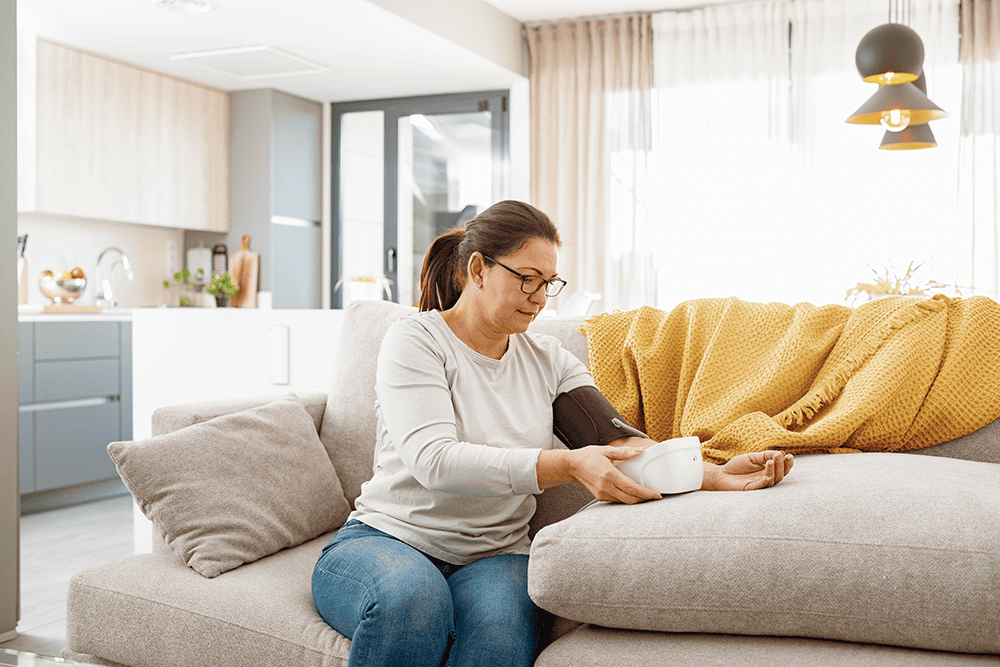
x: 236, y: 488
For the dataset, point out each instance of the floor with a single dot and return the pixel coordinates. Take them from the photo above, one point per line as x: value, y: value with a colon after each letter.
x: 54, y: 545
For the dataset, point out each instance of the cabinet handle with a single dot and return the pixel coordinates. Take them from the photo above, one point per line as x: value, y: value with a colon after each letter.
x: 62, y: 405
x: 390, y: 260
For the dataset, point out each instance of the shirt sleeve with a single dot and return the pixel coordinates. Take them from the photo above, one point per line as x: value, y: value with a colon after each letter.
x: 419, y: 415
x: 571, y: 371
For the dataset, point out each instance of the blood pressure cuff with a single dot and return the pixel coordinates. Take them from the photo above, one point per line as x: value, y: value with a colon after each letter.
x: 583, y: 416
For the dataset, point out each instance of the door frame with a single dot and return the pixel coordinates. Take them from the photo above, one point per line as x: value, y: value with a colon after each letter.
x: 494, y: 101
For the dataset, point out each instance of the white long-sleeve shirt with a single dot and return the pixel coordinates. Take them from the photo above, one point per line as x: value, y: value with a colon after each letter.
x: 459, y: 436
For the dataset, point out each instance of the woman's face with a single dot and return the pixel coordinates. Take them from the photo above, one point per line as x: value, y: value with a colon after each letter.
x: 507, y: 308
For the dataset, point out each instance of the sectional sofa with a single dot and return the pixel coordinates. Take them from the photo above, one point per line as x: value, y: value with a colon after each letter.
x: 856, y: 559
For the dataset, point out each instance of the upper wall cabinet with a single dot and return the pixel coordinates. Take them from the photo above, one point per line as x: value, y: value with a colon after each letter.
x: 103, y: 139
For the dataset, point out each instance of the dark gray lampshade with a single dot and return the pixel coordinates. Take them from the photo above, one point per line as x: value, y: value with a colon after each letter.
x: 906, y: 97
x: 911, y: 138
x: 892, y: 47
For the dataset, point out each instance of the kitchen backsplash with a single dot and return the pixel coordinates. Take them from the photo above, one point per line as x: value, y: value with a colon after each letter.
x: 56, y: 243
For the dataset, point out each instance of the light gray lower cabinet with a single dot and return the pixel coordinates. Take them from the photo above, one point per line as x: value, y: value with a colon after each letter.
x: 75, y: 388
x: 26, y: 453
x: 71, y: 445
x: 25, y: 363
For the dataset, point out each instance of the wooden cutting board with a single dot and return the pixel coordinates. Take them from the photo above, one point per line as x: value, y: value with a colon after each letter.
x: 244, y: 267
x: 70, y: 309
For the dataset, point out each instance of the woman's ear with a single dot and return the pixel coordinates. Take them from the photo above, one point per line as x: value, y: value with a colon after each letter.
x: 476, y: 269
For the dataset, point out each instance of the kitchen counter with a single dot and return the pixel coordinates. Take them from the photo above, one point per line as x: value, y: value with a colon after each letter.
x: 33, y: 313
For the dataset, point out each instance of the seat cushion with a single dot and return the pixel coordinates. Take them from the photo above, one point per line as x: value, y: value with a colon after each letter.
x: 150, y: 610
x: 878, y: 548
x: 591, y: 646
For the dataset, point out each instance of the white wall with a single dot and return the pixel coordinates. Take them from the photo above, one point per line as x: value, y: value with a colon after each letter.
x: 520, y: 141
x: 185, y: 355
x: 9, y: 509
x: 472, y: 24
x: 63, y: 243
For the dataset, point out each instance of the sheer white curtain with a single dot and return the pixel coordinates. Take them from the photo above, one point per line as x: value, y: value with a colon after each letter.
x: 590, y: 91
x: 979, y: 166
x: 762, y: 191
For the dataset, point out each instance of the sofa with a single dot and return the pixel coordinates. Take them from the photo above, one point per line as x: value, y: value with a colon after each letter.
x: 854, y: 559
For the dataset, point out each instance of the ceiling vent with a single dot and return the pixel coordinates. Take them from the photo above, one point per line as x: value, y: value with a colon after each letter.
x: 251, y: 63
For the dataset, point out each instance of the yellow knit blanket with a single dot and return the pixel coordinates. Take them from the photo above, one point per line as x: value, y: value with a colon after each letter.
x: 895, y: 374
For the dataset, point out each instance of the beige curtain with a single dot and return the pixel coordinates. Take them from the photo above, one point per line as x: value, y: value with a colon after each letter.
x: 590, y: 98
x: 979, y: 166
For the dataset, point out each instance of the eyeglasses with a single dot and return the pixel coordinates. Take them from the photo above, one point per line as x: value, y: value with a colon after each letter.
x: 531, y: 284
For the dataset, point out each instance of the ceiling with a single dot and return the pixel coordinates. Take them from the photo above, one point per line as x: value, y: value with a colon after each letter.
x: 534, y: 11
x: 364, y: 50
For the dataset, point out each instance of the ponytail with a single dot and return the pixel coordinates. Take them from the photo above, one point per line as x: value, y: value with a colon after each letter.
x: 439, y: 287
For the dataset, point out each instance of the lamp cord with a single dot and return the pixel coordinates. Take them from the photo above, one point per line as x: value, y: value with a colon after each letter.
x: 900, y: 11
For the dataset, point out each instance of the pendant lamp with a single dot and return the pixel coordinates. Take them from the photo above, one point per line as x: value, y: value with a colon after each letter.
x: 913, y: 137
x: 897, y: 106
x: 890, y: 54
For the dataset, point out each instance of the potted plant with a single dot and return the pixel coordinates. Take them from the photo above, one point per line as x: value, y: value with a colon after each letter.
x: 194, y: 291
x: 364, y: 287
x: 187, y: 286
x: 221, y: 288
x: 889, y: 283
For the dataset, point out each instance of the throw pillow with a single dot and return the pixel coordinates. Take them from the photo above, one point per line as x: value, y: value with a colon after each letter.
x: 236, y: 488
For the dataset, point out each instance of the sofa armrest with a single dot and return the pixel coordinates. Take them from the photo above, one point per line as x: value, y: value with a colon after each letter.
x: 175, y: 417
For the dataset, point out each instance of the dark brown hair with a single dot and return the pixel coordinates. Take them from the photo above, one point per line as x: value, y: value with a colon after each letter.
x: 499, y: 230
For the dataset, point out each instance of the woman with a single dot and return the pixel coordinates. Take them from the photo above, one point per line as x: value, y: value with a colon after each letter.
x: 432, y: 564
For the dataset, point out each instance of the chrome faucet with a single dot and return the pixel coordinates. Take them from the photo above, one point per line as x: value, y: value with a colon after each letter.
x: 104, y: 295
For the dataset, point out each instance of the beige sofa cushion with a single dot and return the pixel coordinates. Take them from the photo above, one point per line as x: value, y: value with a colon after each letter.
x: 878, y: 548
x: 236, y: 488
x: 150, y: 610
x: 591, y: 646
x: 349, y: 424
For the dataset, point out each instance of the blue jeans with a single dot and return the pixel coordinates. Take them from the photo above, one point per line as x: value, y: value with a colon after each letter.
x: 399, y: 606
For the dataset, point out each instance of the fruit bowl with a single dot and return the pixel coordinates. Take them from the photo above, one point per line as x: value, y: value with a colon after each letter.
x: 64, y: 290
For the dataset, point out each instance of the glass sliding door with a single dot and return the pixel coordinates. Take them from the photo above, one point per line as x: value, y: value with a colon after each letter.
x: 445, y: 178
x: 443, y: 159
x: 361, y: 206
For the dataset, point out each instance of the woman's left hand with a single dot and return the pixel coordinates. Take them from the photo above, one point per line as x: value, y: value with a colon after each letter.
x: 748, y: 472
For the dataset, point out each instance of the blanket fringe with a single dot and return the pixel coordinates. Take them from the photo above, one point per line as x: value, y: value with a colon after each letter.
x: 592, y: 321
x: 809, y: 405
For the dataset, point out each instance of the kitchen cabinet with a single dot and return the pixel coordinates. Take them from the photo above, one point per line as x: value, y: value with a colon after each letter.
x: 25, y: 395
x: 102, y: 139
x: 275, y: 192
x: 75, y: 398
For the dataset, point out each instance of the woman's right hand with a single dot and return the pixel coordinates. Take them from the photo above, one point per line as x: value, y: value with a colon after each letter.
x: 596, y: 468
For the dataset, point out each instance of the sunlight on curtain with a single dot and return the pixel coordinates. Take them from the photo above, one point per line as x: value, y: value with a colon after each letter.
x: 979, y: 175
x: 590, y: 91
x: 762, y: 191
x: 630, y: 275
